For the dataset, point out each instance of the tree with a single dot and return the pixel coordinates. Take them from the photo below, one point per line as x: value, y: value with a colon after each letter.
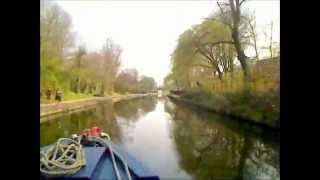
x: 209, y: 40
x: 234, y: 6
x: 207, y: 45
x: 253, y: 34
x: 127, y: 81
x: 92, y: 72
x: 146, y: 84
x: 79, y: 54
x: 111, y: 53
x: 56, y: 35
x: 182, y: 60
x: 270, y: 46
x: 95, y: 74
x: 225, y: 55
x: 56, y: 39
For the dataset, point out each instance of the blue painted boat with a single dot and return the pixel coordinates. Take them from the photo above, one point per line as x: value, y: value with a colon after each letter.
x: 99, y: 165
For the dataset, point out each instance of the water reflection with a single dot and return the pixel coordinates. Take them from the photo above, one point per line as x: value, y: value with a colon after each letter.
x: 149, y: 138
x: 176, y: 141
x: 262, y: 162
x: 212, y: 147
x: 70, y: 123
x: 133, y: 109
x: 207, y: 149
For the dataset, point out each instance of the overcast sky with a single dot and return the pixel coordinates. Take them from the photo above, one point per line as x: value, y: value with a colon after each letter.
x: 148, y: 30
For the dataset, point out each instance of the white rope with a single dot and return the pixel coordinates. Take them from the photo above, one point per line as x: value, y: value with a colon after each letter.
x: 64, y: 158
x: 67, y: 157
x: 112, y: 152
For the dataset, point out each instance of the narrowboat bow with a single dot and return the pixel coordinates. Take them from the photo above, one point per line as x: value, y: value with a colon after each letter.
x: 92, y: 156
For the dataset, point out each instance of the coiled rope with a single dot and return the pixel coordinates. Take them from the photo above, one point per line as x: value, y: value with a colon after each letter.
x: 64, y: 158
x: 67, y: 157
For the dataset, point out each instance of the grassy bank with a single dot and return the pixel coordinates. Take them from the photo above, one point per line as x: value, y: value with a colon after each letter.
x: 258, y: 102
x: 66, y: 97
x: 75, y: 96
x: 260, y: 108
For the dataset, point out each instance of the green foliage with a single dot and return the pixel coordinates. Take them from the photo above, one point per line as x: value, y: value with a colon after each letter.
x: 128, y: 82
x: 194, y: 57
x: 205, y: 69
x: 78, y: 73
x: 55, y: 29
x: 146, y: 84
x: 182, y: 60
x: 261, y: 107
x: 56, y: 38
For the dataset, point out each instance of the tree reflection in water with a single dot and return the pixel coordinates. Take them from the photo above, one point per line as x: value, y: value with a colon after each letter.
x: 211, y: 149
x: 190, y: 143
x: 262, y: 162
x: 67, y: 124
x: 102, y: 115
x: 131, y: 110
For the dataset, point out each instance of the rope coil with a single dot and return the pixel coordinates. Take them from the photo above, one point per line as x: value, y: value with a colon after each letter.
x: 64, y: 158
x: 67, y: 157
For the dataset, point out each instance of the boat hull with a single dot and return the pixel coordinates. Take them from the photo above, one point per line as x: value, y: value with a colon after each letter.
x: 99, y: 165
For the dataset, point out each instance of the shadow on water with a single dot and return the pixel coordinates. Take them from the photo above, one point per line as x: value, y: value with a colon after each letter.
x: 215, y: 147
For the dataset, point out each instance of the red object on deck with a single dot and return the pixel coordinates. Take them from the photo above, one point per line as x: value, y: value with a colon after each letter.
x: 95, y: 131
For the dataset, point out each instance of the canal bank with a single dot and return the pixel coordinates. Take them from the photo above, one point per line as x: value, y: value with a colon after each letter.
x: 74, y: 105
x: 267, y: 125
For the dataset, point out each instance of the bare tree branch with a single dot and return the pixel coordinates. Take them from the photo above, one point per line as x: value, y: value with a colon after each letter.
x: 242, y: 2
x: 203, y: 53
x: 219, y: 5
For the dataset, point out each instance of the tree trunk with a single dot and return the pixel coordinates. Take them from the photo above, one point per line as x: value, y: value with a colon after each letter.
x: 231, y: 64
x: 102, y: 89
x: 256, y: 49
x: 78, y: 85
x: 219, y: 73
x: 270, y: 47
x: 254, y: 35
x: 236, y: 14
x: 241, y: 56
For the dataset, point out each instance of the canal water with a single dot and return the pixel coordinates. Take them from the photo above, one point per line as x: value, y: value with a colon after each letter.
x: 177, y: 141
